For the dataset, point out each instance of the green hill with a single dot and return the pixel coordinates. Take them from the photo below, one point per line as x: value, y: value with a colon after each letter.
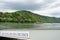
x: 24, y: 16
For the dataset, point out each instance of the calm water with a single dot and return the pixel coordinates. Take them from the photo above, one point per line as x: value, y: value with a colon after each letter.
x: 29, y: 26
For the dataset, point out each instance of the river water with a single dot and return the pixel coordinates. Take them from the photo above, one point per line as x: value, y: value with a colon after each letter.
x: 32, y: 26
x: 50, y: 26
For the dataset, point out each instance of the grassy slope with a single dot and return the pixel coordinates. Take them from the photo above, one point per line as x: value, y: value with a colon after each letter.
x: 26, y: 17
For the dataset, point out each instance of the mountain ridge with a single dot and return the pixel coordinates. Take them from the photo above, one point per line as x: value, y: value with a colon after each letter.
x: 24, y: 16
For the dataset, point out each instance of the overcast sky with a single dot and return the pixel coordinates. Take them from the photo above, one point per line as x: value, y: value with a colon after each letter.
x: 42, y: 7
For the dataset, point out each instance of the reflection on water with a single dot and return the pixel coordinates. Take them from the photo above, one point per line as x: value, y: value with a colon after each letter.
x: 49, y: 26
x: 29, y: 25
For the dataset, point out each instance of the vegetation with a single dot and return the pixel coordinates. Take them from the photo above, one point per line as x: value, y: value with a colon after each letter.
x: 24, y: 16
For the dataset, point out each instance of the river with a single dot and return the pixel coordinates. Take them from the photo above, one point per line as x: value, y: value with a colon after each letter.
x: 31, y: 26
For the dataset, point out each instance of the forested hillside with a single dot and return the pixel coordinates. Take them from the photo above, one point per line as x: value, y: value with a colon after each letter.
x: 26, y: 17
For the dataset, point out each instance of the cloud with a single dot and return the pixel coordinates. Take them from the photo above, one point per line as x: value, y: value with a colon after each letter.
x: 41, y: 7
x: 51, y: 9
x: 20, y: 4
x: 49, y: 12
x: 17, y: 6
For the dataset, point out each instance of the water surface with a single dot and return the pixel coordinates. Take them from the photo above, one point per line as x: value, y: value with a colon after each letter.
x: 37, y: 26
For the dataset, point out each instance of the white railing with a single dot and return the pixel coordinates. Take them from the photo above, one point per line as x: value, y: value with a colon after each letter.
x: 15, y: 34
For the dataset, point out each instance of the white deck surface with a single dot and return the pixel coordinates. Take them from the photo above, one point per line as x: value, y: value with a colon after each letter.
x: 43, y: 34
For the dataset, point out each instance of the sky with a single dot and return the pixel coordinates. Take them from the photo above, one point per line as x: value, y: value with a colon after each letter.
x: 41, y: 7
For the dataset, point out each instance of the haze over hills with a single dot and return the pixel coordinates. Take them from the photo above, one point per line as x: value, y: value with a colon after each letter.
x: 24, y: 16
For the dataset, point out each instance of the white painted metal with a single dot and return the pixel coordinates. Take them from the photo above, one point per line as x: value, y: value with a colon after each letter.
x: 15, y: 34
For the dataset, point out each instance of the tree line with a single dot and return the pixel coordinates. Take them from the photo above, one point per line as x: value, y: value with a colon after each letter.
x: 24, y: 16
